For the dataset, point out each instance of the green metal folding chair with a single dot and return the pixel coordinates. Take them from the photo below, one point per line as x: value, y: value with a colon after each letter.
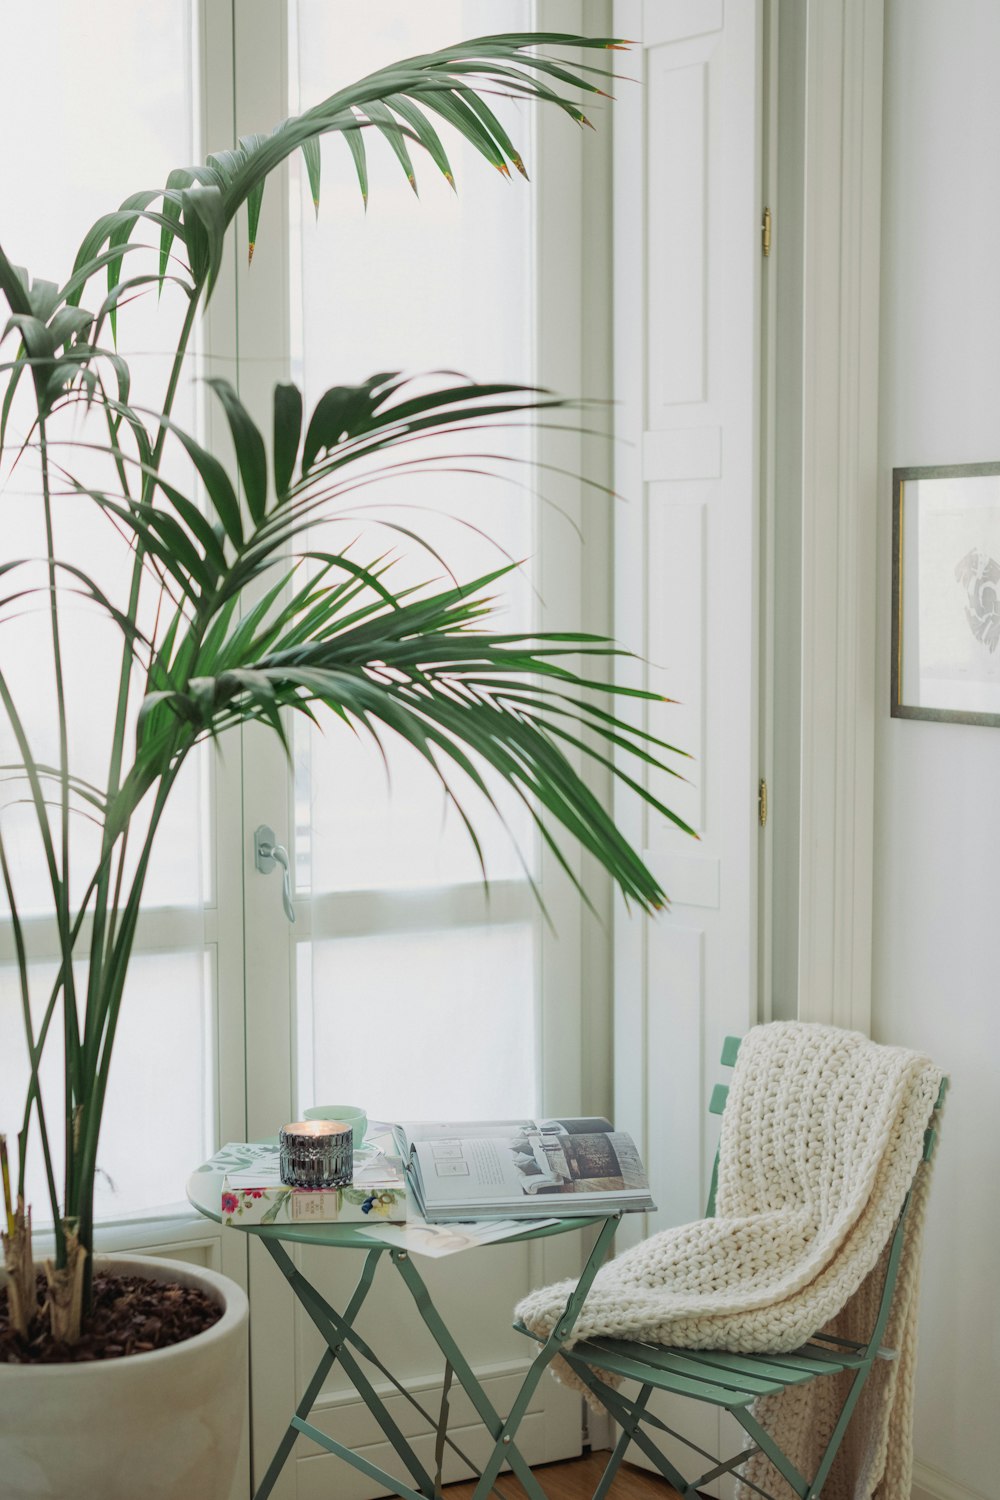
x: 732, y: 1381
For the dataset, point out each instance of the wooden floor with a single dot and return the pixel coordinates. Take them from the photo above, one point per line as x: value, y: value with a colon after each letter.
x: 576, y: 1479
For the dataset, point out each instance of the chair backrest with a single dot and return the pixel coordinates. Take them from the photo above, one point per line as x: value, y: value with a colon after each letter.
x: 717, y: 1104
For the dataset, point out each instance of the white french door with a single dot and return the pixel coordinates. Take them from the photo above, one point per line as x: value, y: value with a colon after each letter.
x: 400, y: 986
x: 688, y: 209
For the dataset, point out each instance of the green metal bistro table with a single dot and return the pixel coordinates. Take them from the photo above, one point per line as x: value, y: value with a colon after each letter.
x: 345, y: 1346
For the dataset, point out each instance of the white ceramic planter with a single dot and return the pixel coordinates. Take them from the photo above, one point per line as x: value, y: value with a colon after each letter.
x: 161, y: 1426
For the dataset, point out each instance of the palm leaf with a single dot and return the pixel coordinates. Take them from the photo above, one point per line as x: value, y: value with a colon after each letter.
x: 199, y: 203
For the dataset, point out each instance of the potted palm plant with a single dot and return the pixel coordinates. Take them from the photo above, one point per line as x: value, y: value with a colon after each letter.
x: 234, y: 614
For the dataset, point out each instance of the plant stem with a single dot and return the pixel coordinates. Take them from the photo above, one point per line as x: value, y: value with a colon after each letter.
x: 34, y: 1054
x: 71, y: 1028
x: 5, y: 1175
x: 148, y: 487
x: 81, y: 1209
x: 102, y: 942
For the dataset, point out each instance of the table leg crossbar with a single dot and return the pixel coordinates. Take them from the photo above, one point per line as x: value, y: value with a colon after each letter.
x: 338, y: 1333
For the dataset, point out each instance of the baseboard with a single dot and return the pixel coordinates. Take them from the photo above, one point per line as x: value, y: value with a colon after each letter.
x: 929, y: 1484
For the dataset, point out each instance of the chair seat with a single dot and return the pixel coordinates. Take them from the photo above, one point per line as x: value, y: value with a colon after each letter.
x: 711, y: 1375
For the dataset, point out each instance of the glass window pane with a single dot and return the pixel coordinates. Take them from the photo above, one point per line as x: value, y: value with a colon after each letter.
x: 159, y: 1115
x: 418, y: 1025
x: 65, y: 165
x: 434, y: 285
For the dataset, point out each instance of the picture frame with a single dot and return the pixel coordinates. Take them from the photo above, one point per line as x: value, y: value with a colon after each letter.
x: 945, y: 660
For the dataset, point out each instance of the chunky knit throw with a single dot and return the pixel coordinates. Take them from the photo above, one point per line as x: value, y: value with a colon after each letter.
x: 822, y: 1137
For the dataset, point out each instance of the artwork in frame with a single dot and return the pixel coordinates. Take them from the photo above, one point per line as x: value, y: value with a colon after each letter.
x: 946, y: 593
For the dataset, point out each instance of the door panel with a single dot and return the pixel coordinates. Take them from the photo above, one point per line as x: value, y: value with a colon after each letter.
x: 687, y: 354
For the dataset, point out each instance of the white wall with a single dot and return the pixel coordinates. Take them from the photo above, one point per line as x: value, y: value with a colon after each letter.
x: 937, y: 794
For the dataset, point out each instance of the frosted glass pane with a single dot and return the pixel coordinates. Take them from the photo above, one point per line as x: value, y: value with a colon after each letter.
x: 71, y: 162
x: 159, y: 1119
x: 369, y: 828
x: 431, y: 285
x: 437, y: 284
x: 428, y: 1024
x: 75, y: 158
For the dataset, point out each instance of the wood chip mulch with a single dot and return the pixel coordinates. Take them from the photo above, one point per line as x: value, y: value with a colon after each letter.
x: 131, y: 1315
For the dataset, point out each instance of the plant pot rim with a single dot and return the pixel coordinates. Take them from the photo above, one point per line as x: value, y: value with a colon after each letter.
x: 228, y: 1293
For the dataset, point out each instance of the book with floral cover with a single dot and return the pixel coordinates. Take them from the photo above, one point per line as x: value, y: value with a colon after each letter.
x: 253, y: 1193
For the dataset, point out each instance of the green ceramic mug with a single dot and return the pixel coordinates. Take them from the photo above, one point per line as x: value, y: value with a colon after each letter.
x: 350, y: 1114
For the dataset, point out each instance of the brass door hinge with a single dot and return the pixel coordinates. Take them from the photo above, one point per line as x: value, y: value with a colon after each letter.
x: 765, y: 232
x: 762, y: 803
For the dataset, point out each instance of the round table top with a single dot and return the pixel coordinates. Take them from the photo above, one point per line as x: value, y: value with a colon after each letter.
x: 204, y: 1192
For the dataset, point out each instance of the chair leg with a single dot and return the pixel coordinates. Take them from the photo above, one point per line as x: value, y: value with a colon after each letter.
x: 826, y: 1463
x: 620, y: 1448
x: 768, y: 1446
x: 621, y: 1411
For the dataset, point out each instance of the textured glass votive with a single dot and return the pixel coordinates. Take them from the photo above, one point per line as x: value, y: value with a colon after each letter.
x: 317, y: 1153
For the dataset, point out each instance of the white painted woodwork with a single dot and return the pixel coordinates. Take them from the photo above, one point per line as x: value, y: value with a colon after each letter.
x: 782, y: 603
x: 841, y: 208
x: 687, y: 207
x: 769, y: 572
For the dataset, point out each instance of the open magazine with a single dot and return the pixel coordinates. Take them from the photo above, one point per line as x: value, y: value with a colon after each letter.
x: 522, y: 1169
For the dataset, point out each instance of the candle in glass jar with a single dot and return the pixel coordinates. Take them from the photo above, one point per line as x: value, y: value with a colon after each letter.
x: 317, y: 1153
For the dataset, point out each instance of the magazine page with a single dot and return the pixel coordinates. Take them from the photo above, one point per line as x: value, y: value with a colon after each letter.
x: 438, y: 1240
x: 519, y: 1162
x: 412, y: 1131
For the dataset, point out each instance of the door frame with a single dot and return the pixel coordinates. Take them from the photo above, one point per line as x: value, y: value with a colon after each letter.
x: 840, y: 312
x: 827, y: 249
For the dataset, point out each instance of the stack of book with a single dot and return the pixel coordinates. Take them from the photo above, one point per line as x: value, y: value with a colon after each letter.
x: 253, y: 1192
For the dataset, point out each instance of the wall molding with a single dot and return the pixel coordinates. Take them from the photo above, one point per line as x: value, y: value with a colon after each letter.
x: 930, y: 1484
x: 842, y: 226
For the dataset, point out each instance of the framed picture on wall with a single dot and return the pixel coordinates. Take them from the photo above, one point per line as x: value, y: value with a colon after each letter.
x: 946, y: 594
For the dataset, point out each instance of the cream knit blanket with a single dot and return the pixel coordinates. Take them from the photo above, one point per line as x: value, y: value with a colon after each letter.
x: 822, y: 1137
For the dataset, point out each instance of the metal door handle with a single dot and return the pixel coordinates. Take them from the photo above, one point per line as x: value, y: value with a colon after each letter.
x: 267, y: 854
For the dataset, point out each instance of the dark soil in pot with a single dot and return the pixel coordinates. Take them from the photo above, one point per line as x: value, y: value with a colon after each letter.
x: 131, y: 1315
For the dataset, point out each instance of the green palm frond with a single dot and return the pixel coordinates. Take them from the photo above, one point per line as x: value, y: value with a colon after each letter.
x: 198, y: 203
x: 429, y: 671
x: 420, y: 664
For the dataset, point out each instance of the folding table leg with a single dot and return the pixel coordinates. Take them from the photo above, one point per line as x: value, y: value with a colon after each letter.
x: 337, y: 1332
x: 467, y: 1379
x: 323, y: 1369
x: 441, y: 1435
x: 303, y: 1409
x: 505, y: 1449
